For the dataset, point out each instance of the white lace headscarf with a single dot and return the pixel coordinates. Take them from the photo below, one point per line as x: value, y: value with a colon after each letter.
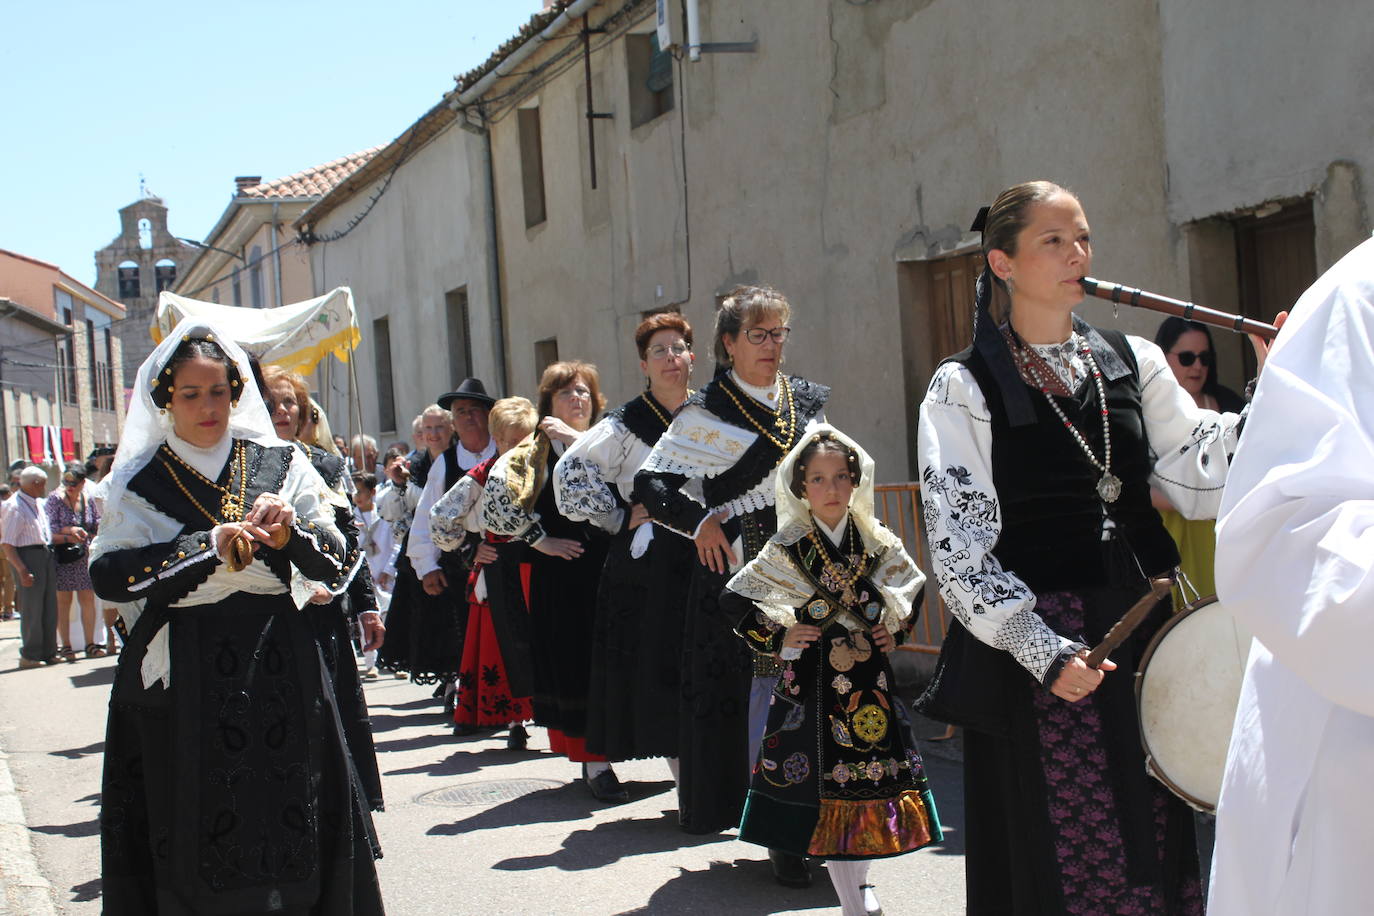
x: 146, y: 425
x: 774, y: 583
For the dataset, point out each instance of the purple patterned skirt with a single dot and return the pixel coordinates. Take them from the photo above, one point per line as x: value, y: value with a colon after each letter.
x: 1083, y: 829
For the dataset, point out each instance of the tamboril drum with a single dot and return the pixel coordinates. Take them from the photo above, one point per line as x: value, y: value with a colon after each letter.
x: 1187, y: 688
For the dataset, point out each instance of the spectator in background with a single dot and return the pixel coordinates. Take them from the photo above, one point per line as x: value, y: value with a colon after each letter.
x: 97, y: 486
x: 379, y: 546
x: 25, y: 538
x: 6, y: 574
x: 73, y: 520
x: 363, y: 454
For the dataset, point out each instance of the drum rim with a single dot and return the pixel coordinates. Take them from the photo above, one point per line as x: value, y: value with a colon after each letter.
x: 1141, y: 667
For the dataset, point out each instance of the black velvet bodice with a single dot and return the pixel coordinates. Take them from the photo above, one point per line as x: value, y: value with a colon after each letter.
x: 1052, y: 517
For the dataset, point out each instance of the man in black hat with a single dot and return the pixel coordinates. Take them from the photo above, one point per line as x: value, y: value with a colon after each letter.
x: 468, y: 405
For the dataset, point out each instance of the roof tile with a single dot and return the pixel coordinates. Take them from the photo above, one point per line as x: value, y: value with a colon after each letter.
x: 312, y: 182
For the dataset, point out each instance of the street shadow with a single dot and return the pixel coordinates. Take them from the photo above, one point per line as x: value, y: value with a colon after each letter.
x: 458, y: 763
x: 102, y: 676
x: 569, y: 802
x: 947, y: 785
x: 93, y: 798
x: 81, y: 893
x: 611, y: 841
x: 76, y: 753
x: 413, y: 744
x: 385, y: 722
x: 408, y: 704
x: 85, y: 828
x: 747, y: 884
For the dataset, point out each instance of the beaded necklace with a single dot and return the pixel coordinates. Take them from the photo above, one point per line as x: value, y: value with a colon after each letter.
x: 839, y: 579
x: 788, y: 429
x: 1108, y: 485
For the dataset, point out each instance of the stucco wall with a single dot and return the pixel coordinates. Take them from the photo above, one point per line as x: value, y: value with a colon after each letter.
x: 854, y: 135
x: 425, y: 237
x: 1262, y: 99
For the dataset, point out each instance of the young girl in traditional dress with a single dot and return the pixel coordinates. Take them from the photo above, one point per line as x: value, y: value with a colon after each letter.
x: 838, y: 776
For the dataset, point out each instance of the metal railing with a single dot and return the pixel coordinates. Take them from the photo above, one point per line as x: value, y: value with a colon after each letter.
x: 898, y: 506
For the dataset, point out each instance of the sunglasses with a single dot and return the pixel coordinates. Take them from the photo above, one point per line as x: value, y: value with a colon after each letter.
x: 1188, y: 357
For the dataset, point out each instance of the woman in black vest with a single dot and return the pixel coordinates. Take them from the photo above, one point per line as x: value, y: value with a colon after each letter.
x: 724, y: 448
x: 1038, y: 446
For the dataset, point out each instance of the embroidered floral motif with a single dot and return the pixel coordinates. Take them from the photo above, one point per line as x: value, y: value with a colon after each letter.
x: 882, y: 680
x: 843, y: 685
x: 796, y: 768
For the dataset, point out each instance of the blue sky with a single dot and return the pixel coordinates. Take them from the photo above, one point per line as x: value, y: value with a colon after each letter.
x: 97, y: 93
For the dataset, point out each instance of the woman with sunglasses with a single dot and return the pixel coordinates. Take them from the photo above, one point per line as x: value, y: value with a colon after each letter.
x: 1187, y: 346
x: 724, y: 448
x: 637, y: 640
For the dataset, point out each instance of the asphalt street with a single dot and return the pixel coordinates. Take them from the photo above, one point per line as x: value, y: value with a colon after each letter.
x: 469, y: 827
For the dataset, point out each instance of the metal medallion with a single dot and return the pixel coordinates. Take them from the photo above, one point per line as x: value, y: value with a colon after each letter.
x: 1109, y: 487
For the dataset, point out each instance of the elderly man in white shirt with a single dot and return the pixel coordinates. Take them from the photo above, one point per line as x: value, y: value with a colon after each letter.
x: 25, y: 537
x: 1295, y: 563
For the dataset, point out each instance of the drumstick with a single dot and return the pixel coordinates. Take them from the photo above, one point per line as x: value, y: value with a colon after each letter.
x: 1129, y: 621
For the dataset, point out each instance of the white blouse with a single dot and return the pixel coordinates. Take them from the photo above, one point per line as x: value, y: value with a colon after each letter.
x: 963, y: 516
x: 602, y: 462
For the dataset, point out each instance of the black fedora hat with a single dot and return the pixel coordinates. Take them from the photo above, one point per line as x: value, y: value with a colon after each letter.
x: 469, y: 389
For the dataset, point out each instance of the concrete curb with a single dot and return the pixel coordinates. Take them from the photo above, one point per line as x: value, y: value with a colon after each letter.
x: 23, y: 889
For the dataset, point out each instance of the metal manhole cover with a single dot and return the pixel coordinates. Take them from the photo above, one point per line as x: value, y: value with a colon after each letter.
x: 488, y: 792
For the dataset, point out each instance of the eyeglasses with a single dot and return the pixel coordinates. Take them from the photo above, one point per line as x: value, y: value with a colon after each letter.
x: 662, y: 351
x: 1188, y: 357
x: 575, y: 392
x: 758, y: 335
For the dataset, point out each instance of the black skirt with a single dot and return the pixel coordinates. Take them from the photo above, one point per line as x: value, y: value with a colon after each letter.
x: 636, y: 683
x: 562, y: 616
x: 713, y: 725
x: 232, y: 791
x: 425, y: 632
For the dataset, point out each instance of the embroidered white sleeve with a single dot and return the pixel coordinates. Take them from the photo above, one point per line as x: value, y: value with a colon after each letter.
x: 501, y: 514
x: 583, y: 476
x: 1192, y: 446
x: 963, y: 522
x: 454, y: 514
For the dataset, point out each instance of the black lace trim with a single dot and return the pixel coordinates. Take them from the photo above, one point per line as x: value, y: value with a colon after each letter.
x: 759, y: 460
x: 329, y: 466
x: 641, y: 420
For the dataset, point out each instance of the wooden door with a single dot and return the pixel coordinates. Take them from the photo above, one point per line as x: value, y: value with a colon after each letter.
x: 1276, y: 258
x: 951, y: 303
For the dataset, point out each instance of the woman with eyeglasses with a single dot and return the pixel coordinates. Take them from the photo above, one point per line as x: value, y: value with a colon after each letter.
x: 1188, y: 348
x: 565, y: 556
x: 632, y: 709
x: 710, y: 479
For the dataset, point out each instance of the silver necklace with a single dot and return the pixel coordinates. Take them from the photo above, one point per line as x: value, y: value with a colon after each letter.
x: 1108, y: 485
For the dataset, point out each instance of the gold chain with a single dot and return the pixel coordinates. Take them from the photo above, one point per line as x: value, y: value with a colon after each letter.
x: 230, y: 505
x: 662, y: 417
x: 790, y: 429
